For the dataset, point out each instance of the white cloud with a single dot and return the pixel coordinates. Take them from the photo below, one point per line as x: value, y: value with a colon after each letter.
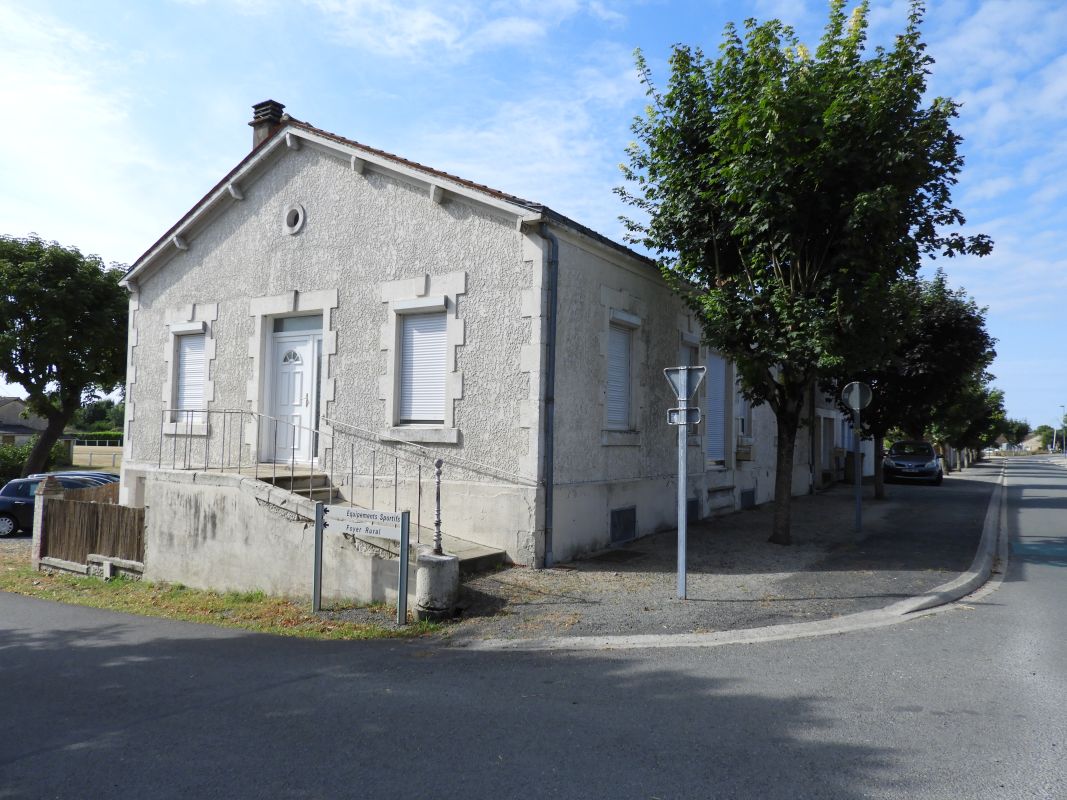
x: 68, y: 148
x: 555, y: 147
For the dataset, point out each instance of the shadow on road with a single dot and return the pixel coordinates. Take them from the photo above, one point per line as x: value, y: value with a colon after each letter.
x: 103, y: 706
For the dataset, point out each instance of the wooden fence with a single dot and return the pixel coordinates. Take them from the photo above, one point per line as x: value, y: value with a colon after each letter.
x: 107, y: 493
x: 75, y: 528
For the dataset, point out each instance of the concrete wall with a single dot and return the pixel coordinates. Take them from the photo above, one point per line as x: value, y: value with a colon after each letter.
x: 228, y: 533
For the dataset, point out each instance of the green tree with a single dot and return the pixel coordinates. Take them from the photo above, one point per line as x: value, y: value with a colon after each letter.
x: 92, y: 412
x: 941, y: 345
x: 1015, y: 430
x: 62, y: 331
x: 786, y: 192
x: 974, y: 420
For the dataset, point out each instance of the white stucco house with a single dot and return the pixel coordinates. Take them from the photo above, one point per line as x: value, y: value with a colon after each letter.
x: 332, y: 306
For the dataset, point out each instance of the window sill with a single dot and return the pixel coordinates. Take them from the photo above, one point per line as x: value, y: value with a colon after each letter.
x: 183, y: 429
x: 620, y: 438
x: 427, y: 435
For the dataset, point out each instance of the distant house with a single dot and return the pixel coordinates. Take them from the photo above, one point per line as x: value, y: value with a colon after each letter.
x: 17, y: 424
x: 332, y: 307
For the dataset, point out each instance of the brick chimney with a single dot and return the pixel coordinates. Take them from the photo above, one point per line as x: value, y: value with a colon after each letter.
x: 266, y: 116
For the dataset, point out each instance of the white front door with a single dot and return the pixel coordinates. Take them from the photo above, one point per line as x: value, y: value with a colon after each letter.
x: 294, y: 396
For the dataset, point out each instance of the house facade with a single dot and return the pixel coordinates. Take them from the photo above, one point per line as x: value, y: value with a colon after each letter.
x: 17, y: 425
x: 331, y: 308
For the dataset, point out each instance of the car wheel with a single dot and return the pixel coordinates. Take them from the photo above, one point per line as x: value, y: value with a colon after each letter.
x: 8, y: 525
x: 938, y: 480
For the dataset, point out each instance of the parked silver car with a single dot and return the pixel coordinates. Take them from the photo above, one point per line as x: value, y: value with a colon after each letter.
x: 913, y: 461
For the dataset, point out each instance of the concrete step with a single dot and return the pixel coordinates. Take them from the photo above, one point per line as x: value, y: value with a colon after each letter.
x: 473, y: 557
x: 297, y: 483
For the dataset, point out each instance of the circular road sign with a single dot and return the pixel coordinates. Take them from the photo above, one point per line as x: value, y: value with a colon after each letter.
x: 856, y: 395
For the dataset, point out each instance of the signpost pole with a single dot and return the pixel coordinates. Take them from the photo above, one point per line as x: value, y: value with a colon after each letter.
x: 316, y: 580
x: 857, y: 465
x: 683, y: 403
x: 402, y: 583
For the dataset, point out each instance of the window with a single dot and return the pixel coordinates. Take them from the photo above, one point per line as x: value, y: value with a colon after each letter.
x: 715, y: 410
x: 192, y: 373
x: 620, y: 346
x: 423, y: 345
x: 743, y: 414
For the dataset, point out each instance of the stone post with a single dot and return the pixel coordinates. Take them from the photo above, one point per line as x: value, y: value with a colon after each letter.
x: 436, y: 584
x: 48, y: 489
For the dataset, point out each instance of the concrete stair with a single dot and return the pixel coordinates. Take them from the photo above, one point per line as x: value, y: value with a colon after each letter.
x: 317, y: 487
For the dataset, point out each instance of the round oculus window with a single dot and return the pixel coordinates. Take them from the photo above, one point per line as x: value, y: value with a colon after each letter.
x: 294, y: 218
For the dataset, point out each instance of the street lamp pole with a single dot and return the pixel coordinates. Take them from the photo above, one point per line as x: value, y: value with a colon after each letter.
x: 1063, y: 422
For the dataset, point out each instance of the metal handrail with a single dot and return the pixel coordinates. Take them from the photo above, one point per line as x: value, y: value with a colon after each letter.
x: 431, y: 454
x: 192, y: 424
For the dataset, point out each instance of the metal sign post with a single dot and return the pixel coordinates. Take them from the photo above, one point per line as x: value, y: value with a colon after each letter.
x: 364, y: 522
x: 857, y: 396
x: 684, y: 381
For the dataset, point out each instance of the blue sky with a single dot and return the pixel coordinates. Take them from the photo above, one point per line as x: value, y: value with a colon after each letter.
x: 119, y: 116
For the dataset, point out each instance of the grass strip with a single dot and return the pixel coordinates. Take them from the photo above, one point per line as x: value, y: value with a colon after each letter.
x: 251, y: 611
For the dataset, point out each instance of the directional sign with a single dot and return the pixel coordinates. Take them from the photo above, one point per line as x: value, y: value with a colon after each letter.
x: 683, y: 416
x: 363, y: 522
x: 857, y: 396
x: 685, y: 380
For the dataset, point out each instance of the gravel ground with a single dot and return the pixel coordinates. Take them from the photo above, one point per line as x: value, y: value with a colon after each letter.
x: 919, y: 538
x: 17, y: 545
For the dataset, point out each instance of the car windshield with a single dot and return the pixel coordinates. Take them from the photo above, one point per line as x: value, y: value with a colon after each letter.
x: 912, y: 449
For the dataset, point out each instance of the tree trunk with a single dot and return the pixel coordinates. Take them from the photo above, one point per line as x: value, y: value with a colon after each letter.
x: 788, y: 418
x: 879, y: 474
x: 38, y: 460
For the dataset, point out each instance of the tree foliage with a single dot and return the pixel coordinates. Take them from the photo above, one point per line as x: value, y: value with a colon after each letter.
x: 1015, y: 430
x: 787, y: 192
x: 62, y: 330
x: 941, y: 347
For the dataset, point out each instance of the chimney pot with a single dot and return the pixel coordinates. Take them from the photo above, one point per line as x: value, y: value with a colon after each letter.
x: 266, y: 116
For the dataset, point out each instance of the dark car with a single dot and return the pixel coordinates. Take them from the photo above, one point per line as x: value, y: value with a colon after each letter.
x: 96, y: 478
x: 913, y: 461
x: 17, y: 498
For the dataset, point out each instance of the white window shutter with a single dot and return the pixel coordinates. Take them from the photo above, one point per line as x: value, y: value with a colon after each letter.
x: 422, y: 368
x: 192, y: 374
x: 620, y: 340
x: 715, y: 408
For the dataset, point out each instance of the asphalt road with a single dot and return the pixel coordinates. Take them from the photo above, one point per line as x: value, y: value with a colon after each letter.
x: 968, y: 703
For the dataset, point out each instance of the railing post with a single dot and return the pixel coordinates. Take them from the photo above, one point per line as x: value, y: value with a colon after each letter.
x: 188, y: 440
x: 396, y: 480
x: 437, y: 507
x: 207, y: 440
x: 373, y: 476
x: 162, y: 423
x: 352, y: 474
x: 222, y: 456
x: 274, y: 456
x: 418, y: 510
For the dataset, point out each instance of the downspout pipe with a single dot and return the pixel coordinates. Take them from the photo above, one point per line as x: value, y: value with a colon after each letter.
x: 550, y: 386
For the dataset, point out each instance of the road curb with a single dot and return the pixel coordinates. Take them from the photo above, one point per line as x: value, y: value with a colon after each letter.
x: 978, y: 573
x: 968, y: 582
